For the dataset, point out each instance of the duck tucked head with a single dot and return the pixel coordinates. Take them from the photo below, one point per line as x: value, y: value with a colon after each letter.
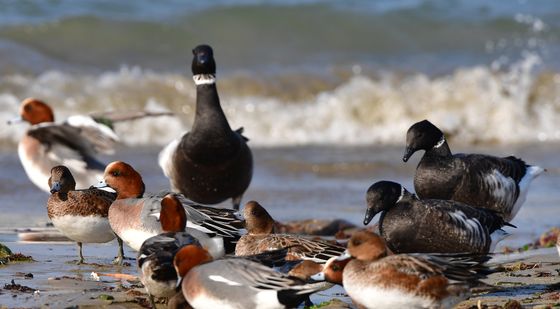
x: 422, y: 135
x: 257, y: 219
x: 367, y: 246
x: 61, y: 180
x: 203, y: 61
x: 381, y: 196
x: 173, y: 217
x: 35, y: 111
x: 188, y: 257
x: 124, y: 179
x: 332, y: 271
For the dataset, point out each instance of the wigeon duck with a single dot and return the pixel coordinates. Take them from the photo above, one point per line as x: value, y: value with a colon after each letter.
x: 211, y: 163
x: 332, y: 270
x: 409, y: 224
x: 135, y: 217
x: 155, y: 257
x: 237, y: 282
x: 81, y: 215
x: 73, y: 143
x: 499, y: 184
x: 374, y: 280
x: 260, y: 237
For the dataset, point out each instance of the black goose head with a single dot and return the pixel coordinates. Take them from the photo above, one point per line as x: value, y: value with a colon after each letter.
x: 203, y: 60
x: 422, y: 135
x: 381, y: 196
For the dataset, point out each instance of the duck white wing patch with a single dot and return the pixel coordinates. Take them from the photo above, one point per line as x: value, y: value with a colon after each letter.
x: 155, y: 214
x: 219, y: 278
x: 101, y: 136
x: 471, y: 227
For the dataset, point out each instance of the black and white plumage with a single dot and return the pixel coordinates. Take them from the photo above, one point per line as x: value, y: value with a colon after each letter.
x: 499, y: 184
x: 410, y: 225
x: 212, y: 162
x: 155, y: 262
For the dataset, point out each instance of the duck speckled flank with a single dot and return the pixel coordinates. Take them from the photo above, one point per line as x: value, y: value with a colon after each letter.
x: 260, y: 237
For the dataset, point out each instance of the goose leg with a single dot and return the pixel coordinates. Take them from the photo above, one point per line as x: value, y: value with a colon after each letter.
x: 81, y: 260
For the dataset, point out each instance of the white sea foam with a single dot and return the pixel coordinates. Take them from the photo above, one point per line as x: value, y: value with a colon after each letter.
x: 474, y: 104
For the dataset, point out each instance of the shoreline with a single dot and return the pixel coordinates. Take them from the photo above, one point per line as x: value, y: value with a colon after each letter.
x: 531, y: 277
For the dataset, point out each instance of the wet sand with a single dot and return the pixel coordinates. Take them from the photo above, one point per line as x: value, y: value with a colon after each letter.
x: 54, y: 280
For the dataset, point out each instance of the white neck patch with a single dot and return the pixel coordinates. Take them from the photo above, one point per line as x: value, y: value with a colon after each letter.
x: 441, y: 141
x: 204, y: 79
x: 402, y: 194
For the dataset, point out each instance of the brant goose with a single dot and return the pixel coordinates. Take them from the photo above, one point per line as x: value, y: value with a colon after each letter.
x: 375, y: 280
x: 410, y: 225
x: 211, y: 163
x: 81, y: 215
x: 134, y: 216
x: 499, y: 184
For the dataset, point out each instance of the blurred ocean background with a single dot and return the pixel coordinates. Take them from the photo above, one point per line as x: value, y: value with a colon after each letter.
x: 324, y: 89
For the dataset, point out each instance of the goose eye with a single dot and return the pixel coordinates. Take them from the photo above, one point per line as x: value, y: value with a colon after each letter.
x: 116, y: 173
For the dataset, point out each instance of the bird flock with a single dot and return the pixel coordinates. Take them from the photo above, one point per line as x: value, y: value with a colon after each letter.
x: 430, y: 249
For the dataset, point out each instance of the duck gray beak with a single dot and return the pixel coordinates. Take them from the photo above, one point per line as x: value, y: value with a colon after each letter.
x: 239, y: 216
x: 55, y: 187
x: 101, y: 184
x: 15, y: 120
x: 318, y: 276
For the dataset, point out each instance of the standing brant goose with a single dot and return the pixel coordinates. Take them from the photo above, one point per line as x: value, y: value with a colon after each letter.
x: 431, y: 226
x: 499, y: 184
x: 211, y: 163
